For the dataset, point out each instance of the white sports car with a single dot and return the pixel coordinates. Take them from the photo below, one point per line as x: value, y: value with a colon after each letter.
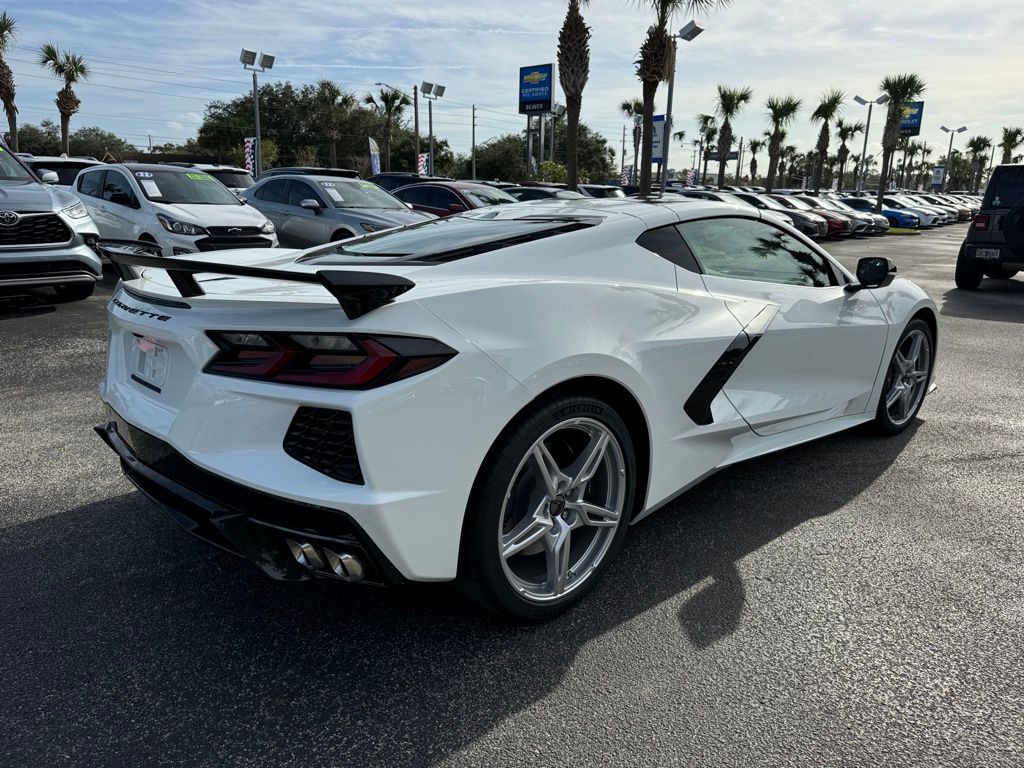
x: 493, y: 397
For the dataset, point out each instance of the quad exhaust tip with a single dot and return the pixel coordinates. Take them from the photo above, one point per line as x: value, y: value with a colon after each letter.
x: 342, y: 564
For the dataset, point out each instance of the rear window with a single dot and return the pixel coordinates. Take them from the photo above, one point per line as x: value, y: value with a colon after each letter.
x: 233, y: 179
x: 455, y: 237
x: 1007, y: 188
x: 66, y: 172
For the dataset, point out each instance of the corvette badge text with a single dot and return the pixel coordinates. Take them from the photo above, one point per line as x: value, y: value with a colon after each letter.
x: 137, y: 311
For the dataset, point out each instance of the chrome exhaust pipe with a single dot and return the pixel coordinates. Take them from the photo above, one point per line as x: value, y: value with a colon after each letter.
x: 305, y: 554
x: 345, y: 565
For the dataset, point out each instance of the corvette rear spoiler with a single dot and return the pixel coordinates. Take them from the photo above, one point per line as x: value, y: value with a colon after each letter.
x: 356, y: 292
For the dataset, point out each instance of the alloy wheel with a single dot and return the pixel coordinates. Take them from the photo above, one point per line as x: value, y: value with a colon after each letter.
x: 907, y: 378
x: 562, y: 509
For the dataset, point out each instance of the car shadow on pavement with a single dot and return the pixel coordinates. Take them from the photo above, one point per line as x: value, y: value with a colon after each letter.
x: 40, y: 302
x: 999, y: 300
x: 126, y: 642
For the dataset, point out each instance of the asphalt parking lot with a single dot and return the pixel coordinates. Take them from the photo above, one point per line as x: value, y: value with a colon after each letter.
x: 856, y: 601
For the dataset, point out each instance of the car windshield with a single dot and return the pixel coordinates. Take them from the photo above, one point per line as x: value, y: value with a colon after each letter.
x: 65, y: 171
x: 770, y: 202
x: 184, y: 187
x: 792, y: 202
x: 839, y: 205
x: 819, y: 202
x: 11, y: 169
x: 359, y: 194
x: 605, y: 191
x: 485, y: 196
x: 233, y: 179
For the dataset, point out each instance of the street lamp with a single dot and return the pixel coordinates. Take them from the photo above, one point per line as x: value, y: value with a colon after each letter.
x: 883, y: 99
x: 256, y: 63
x: 949, y: 154
x: 688, y: 33
x: 431, y: 91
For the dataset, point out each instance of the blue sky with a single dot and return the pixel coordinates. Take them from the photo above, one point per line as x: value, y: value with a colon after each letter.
x: 156, y: 64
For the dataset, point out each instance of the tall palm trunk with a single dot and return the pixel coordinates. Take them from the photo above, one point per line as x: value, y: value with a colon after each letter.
x: 647, y: 141
x: 67, y: 104
x: 774, y: 150
x: 638, y: 133
x: 822, y: 152
x: 753, y: 170
x: 7, y: 96
x: 724, y: 146
x: 573, y: 105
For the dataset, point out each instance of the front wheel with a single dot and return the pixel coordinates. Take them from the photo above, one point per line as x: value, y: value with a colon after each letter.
x: 906, y: 380
x: 549, y: 510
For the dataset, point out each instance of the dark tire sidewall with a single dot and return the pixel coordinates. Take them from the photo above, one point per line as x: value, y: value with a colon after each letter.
x: 968, y: 271
x: 481, y: 570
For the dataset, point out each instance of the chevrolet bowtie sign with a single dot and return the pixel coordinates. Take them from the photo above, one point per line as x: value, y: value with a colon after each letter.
x: 536, y: 89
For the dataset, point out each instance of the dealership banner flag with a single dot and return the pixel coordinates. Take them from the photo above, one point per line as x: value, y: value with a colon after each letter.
x: 423, y: 164
x: 374, y: 156
x: 627, y: 174
x: 249, y: 152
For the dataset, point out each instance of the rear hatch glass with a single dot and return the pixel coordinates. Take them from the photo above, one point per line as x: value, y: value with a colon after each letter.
x: 1006, y: 190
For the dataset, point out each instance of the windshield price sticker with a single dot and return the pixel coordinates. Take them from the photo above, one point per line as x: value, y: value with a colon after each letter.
x: 334, y: 194
x: 151, y: 188
x: 200, y: 176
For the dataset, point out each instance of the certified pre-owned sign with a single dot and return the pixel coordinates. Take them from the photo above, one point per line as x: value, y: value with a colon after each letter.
x: 536, y: 89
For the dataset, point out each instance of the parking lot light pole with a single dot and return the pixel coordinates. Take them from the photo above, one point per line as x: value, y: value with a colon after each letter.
x: 256, y: 63
x: 687, y: 33
x: 431, y: 92
x: 949, y: 153
x: 883, y: 99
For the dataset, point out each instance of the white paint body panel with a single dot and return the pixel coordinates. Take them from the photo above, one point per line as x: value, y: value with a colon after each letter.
x: 523, y: 319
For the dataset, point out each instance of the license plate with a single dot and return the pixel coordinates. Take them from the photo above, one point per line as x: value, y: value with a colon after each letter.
x: 986, y: 253
x: 149, y: 362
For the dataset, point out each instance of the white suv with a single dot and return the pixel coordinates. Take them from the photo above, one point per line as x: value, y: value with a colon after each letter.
x: 181, y: 210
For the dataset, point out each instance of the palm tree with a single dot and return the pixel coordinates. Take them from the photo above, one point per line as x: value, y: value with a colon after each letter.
x: 781, y: 112
x: 7, y: 25
x: 755, y: 145
x: 926, y: 152
x: 71, y: 68
x: 728, y: 104
x: 656, y: 56
x: 901, y: 90
x: 633, y: 109
x: 830, y: 105
x: 708, y: 129
x: 1012, y: 137
x: 389, y: 104
x: 845, y: 132
x: 977, y: 146
x: 332, y: 104
x: 573, y: 71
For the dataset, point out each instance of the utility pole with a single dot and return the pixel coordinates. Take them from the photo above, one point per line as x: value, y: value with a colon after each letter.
x: 540, y: 149
x: 416, y: 120
x: 430, y: 127
x: 739, y: 163
x: 473, y: 150
x: 529, y: 145
x: 256, y: 111
x: 622, y: 165
x: 151, y: 143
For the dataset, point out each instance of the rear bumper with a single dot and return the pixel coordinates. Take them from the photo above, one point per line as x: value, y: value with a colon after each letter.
x: 1007, y: 257
x: 236, y: 518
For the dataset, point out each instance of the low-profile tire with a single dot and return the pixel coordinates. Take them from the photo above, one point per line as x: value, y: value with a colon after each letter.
x: 906, y: 378
x: 75, y: 291
x: 968, y: 272
x: 549, y: 509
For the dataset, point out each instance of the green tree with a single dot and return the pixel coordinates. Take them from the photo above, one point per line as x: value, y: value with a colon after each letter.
x: 42, y: 139
x: 553, y: 172
x: 782, y: 112
x: 71, y: 68
x: 7, y: 34
x: 829, y: 106
x: 633, y: 109
x: 657, y: 55
x: 332, y: 105
x: 755, y: 146
x: 1012, y: 138
x: 389, y: 104
x: 727, y: 105
x: 96, y: 142
x: 845, y: 132
x: 707, y: 127
x: 977, y: 148
x: 901, y: 90
x: 573, y: 72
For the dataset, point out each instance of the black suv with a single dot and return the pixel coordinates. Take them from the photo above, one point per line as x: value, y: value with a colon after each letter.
x: 995, y: 241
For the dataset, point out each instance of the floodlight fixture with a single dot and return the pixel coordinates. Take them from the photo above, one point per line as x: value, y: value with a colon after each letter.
x: 690, y: 31
x: 267, y: 60
x: 426, y: 88
x: 248, y: 58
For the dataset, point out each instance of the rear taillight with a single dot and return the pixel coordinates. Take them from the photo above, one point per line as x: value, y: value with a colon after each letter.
x: 981, y: 221
x: 341, y: 361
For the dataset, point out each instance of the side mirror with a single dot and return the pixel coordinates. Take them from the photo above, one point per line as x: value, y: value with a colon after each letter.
x: 50, y: 177
x: 310, y: 205
x: 456, y: 208
x: 873, y: 272
x: 409, y: 206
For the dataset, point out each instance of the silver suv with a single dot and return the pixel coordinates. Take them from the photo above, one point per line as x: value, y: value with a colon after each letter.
x: 46, y: 235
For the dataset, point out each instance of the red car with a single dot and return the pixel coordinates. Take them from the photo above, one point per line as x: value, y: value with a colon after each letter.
x: 444, y: 198
x: 838, y: 224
